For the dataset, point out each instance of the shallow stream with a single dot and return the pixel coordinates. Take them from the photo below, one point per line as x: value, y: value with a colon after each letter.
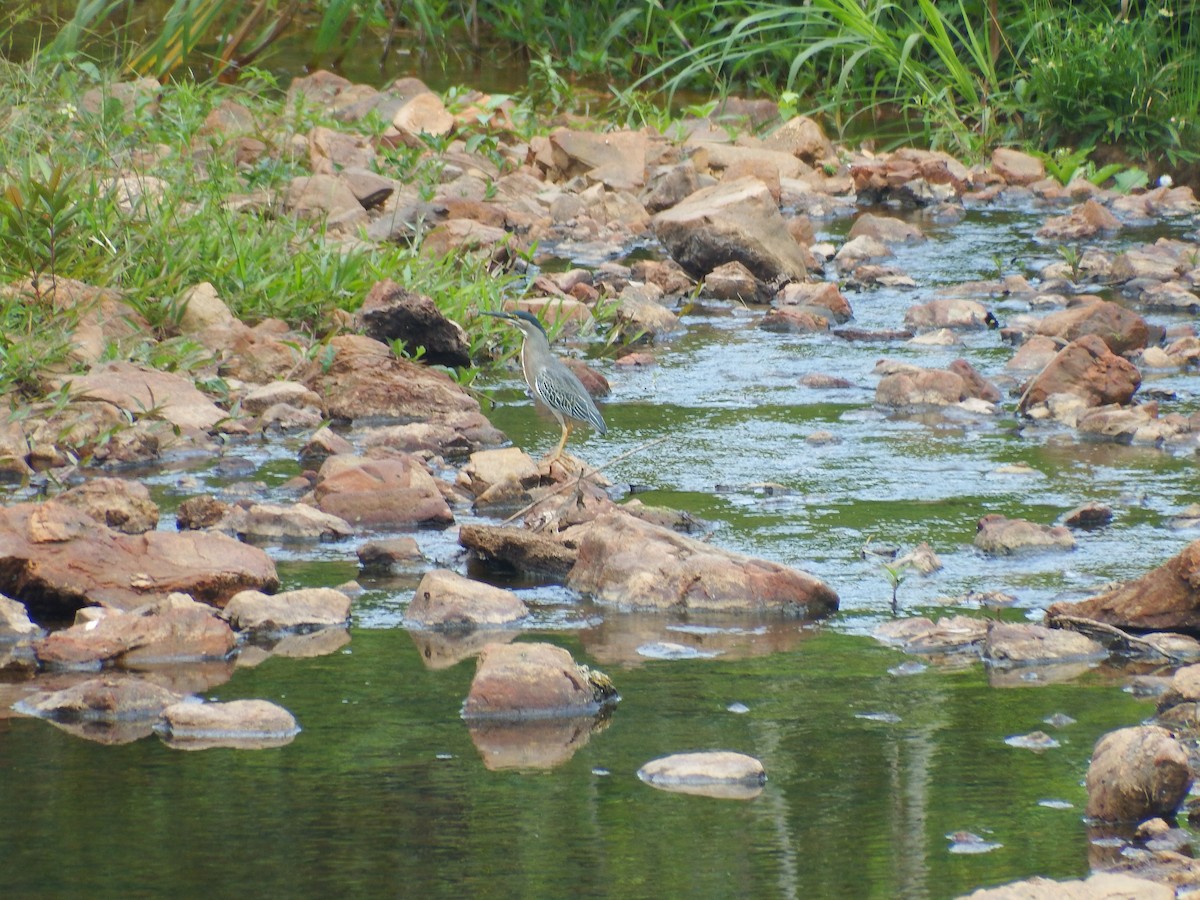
x: 387, y: 792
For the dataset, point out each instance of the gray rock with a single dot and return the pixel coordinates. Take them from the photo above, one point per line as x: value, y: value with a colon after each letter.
x: 304, y: 608
x: 1137, y: 773
x: 1001, y: 535
x: 713, y: 773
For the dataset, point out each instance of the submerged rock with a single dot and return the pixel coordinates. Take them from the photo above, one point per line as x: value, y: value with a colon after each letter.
x: 1137, y: 773
x: 921, y: 635
x: 1019, y: 644
x: 446, y: 600
x: 633, y: 564
x: 1001, y: 535
x: 238, y: 724
x: 109, y: 698
x: 524, y: 681
x: 712, y: 773
x: 1101, y: 886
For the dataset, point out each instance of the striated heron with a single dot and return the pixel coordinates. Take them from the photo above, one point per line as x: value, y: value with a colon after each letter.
x: 551, y: 381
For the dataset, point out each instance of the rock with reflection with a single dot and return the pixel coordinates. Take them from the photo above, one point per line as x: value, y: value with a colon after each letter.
x: 532, y: 744
x: 522, y: 550
x: 1003, y: 536
x: 305, y: 608
x: 712, y: 773
x: 445, y: 600
x: 949, y: 634
x: 1022, y: 644
x: 633, y: 638
x: 1137, y: 773
x: 238, y: 724
x: 534, y: 681
x: 633, y: 564
x: 305, y: 645
x: 175, y: 629
x: 443, y: 649
x: 111, y: 709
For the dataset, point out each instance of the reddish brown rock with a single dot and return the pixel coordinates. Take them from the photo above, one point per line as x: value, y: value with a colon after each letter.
x: 58, y: 559
x: 1085, y: 221
x: 1087, y: 369
x: 804, y: 139
x: 392, y: 491
x: 1121, y: 329
x: 239, y: 724
x: 111, y: 697
x: 138, y: 389
x: 632, y: 564
x: 517, y: 681
x: 793, y: 319
x: 1137, y: 773
x: 364, y: 379
x: 616, y: 159
x: 523, y: 550
x: 822, y: 297
x: 1164, y: 599
x: 974, y: 383
x: 446, y: 600
x: 178, y: 629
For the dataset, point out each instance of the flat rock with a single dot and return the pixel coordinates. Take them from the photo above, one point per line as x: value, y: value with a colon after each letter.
x: 713, y: 773
x: 59, y: 559
x: 108, y: 698
x: 304, y: 608
x: 120, y: 504
x: 1101, y: 886
x: 523, y: 681
x: 446, y: 600
x: 1137, y: 773
x: 1019, y: 644
x: 139, y: 389
x: 393, y: 491
x: 390, y: 554
x: 731, y: 221
x: 922, y: 635
x: 1016, y: 167
x: 275, y: 522
x: 616, y: 159
x: 239, y: 724
x: 915, y: 386
x: 887, y: 229
x: 631, y: 564
x: 1001, y: 535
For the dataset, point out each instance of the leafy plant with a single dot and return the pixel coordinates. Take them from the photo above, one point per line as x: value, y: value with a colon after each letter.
x: 38, y: 213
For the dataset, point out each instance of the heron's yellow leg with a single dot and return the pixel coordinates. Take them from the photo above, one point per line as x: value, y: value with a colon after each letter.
x: 567, y: 427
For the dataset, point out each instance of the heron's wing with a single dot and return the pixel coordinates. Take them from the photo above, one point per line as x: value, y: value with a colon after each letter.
x: 559, y: 389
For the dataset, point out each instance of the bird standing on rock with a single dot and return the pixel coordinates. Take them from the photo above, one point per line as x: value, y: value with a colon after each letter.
x: 551, y: 381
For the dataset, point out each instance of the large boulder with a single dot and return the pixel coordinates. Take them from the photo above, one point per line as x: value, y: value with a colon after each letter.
x: 1088, y: 369
x: 387, y: 492
x: 731, y: 221
x: 1137, y: 773
x: 447, y: 600
x: 1164, y: 599
x: 626, y: 562
x: 520, y: 681
x: 1024, y: 644
x: 57, y: 559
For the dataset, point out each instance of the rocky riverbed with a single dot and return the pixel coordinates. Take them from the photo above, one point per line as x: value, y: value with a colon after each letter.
x: 118, y: 616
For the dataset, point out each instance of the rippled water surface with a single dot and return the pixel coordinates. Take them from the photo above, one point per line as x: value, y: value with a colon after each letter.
x: 387, y: 792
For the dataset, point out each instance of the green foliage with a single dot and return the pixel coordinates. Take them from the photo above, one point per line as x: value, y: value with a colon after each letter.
x: 38, y: 216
